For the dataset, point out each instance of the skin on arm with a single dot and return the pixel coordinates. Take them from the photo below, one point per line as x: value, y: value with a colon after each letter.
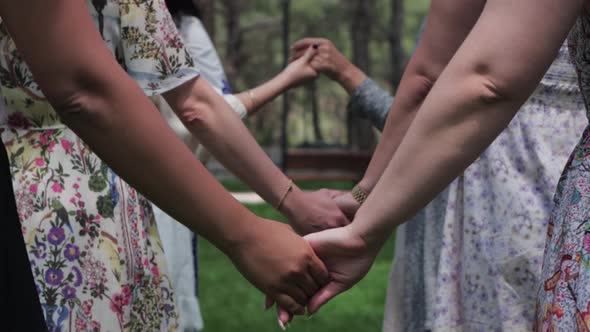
x: 207, y: 116
x: 432, y: 55
x: 476, y: 96
x: 444, y: 33
x: 296, y: 73
x: 101, y: 103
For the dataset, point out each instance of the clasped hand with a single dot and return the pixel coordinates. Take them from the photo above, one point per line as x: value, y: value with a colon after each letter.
x: 344, y: 253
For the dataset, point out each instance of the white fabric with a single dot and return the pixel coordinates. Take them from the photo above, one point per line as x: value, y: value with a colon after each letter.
x: 177, y: 242
x: 177, y: 239
x: 200, y: 46
x: 236, y: 105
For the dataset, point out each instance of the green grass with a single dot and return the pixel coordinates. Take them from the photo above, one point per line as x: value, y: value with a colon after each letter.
x: 230, y: 304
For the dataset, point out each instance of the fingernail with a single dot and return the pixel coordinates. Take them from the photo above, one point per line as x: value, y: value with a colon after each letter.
x: 283, y: 327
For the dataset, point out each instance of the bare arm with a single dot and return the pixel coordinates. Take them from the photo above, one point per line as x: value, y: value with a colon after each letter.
x: 444, y: 33
x: 491, y: 75
x: 489, y: 78
x: 108, y: 110
x: 210, y: 119
x: 296, y: 73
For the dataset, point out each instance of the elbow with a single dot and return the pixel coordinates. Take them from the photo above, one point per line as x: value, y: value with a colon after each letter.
x: 422, y: 85
x: 489, y: 90
x: 196, y: 115
x: 492, y: 83
x: 83, y: 108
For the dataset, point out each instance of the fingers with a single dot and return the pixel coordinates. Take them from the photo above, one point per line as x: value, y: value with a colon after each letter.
x: 268, y: 302
x: 289, y: 304
x: 308, y: 284
x: 310, y: 53
x: 284, y: 316
x: 303, y: 44
x: 297, y: 294
x: 333, y: 193
x: 324, y: 295
x: 318, y: 271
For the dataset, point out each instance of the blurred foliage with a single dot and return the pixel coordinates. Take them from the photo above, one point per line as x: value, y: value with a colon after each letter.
x: 260, y: 23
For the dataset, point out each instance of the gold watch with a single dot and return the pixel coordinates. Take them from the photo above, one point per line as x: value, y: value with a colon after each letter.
x: 359, y: 194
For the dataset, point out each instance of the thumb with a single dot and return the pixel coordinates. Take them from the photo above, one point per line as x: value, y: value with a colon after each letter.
x: 284, y: 316
x: 324, y: 295
x: 309, y: 54
x: 268, y: 302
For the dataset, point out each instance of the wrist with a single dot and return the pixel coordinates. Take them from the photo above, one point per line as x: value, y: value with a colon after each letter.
x: 366, y: 185
x: 359, y: 194
x: 351, y: 78
x: 364, y: 242
x: 292, y: 202
x: 241, y: 234
x: 284, y: 80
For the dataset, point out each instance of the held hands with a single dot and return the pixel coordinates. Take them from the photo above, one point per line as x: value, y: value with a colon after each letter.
x: 345, y: 202
x: 347, y: 257
x: 280, y: 263
x: 300, y: 70
x: 310, y: 212
x: 328, y: 60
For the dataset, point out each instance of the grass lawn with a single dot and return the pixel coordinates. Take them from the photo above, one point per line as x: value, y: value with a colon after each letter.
x: 235, y: 185
x: 230, y: 304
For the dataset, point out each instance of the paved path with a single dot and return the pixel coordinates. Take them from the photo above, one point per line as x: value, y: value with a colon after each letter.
x: 248, y: 198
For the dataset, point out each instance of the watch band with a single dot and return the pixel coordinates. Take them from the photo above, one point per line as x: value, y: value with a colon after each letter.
x: 359, y: 194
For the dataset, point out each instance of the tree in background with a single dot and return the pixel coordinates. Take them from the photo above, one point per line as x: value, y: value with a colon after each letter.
x: 248, y: 36
x: 362, y: 17
x: 398, y: 55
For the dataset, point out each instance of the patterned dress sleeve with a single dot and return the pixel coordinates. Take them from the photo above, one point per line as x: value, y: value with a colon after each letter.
x: 154, y: 53
x: 371, y: 102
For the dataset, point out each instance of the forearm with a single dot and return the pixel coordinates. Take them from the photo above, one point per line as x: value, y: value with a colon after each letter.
x: 466, y: 109
x: 210, y: 119
x: 112, y: 115
x: 256, y: 98
x: 350, y: 77
x: 161, y: 167
x: 445, y: 29
x: 410, y: 96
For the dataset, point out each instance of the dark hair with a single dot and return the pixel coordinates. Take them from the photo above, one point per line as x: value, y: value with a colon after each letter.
x: 187, y: 7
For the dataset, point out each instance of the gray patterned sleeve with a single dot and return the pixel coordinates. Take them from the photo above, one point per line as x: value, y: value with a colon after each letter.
x: 371, y: 102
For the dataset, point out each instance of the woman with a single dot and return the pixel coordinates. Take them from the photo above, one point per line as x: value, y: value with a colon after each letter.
x: 494, y: 289
x: 94, y: 250
x: 477, y: 63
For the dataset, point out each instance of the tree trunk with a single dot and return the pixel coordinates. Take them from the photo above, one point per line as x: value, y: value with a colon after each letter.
x: 317, y: 131
x: 361, y: 135
x: 207, y: 8
x: 398, y: 56
x: 234, y: 51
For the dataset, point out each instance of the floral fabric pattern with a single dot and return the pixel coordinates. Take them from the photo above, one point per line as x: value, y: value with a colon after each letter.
x: 564, y: 296
x: 92, y: 241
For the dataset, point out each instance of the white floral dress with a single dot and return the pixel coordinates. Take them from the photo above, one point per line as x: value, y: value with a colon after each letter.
x: 92, y: 241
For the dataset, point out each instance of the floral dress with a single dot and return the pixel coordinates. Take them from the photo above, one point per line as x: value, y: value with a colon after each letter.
x: 92, y: 242
x: 564, y: 296
x: 471, y: 260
